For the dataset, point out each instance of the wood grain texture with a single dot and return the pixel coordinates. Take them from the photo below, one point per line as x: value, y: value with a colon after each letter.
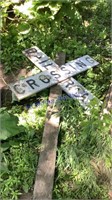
x: 109, y: 99
x: 46, y: 166
x: 109, y: 104
x: 109, y: 109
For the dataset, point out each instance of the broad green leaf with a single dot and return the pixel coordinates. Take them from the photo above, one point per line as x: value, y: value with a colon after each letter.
x: 9, y: 126
x: 25, y: 187
x: 3, y: 167
x: 4, y: 146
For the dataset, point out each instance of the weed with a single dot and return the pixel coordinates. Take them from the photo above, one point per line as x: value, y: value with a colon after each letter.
x: 84, y: 148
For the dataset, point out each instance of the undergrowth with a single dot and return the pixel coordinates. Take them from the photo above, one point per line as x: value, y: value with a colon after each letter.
x: 84, y: 155
x: 83, y: 167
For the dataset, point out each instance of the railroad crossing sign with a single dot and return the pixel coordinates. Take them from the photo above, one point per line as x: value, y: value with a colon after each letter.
x: 53, y: 74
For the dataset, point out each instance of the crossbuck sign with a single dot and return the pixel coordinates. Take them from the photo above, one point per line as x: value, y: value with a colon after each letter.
x: 53, y: 74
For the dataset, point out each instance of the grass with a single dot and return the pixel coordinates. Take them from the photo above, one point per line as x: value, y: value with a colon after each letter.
x: 83, y: 166
x: 20, y: 153
x: 84, y: 156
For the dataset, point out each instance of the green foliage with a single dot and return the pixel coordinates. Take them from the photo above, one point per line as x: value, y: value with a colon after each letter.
x: 21, y: 163
x: 19, y: 154
x: 9, y: 125
x: 84, y: 151
x: 84, y: 155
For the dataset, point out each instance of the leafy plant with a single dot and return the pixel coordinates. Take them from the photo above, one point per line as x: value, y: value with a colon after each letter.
x: 9, y: 125
x: 83, y: 144
x: 22, y: 159
x: 84, y: 147
x: 19, y: 154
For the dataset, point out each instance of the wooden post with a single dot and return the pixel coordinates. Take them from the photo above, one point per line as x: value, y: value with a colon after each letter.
x: 109, y: 103
x: 108, y: 106
x: 46, y: 166
x: 109, y: 99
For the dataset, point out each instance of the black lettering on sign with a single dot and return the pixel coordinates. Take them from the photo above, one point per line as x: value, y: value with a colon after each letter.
x: 80, y: 94
x: 84, y: 98
x: 85, y: 94
x: 73, y: 66
x: 80, y: 64
x: 33, y: 53
x: 45, y: 79
x: 32, y: 82
x: 31, y: 50
x: 46, y: 63
x: 43, y: 59
x: 19, y: 89
x: 65, y: 70
x: 54, y: 74
x: 90, y: 60
x: 69, y: 84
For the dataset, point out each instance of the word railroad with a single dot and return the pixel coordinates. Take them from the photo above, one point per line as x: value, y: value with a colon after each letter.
x: 53, y: 74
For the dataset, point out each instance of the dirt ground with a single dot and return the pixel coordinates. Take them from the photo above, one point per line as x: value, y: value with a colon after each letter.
x: 5, y: 92
x: 26, y: 196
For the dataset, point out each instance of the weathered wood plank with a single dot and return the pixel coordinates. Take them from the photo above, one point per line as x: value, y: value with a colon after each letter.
x: 109, y: 104
x: 46, y: 166
x: 109, y: 99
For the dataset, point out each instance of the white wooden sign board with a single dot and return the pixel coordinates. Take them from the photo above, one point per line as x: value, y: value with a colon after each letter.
x: 52, y: 74
x: 75, y: 90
